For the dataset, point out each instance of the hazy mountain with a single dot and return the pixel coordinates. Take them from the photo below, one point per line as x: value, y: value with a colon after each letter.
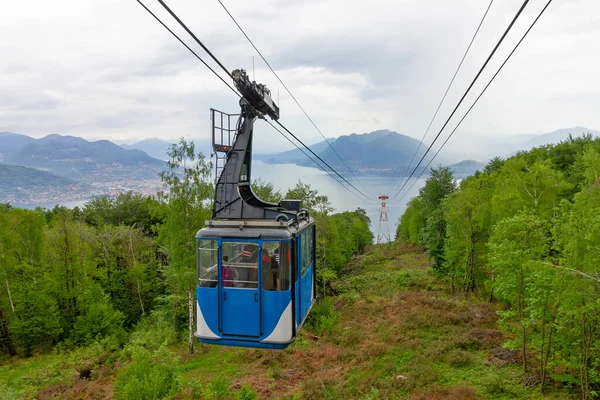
x: 292, y: 156
x: 12, y: 142
x: 154, y: 147
x: 466, y: 168
x: 372, y: 151
x: 484, y: 148
x: 22, y: 184
x: 74, y: 157
x: 158, y: 148
x: 557, y: 136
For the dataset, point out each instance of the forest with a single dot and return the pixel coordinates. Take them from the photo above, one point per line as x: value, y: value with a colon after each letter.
x: 119, y: 273
x: 525, y: 233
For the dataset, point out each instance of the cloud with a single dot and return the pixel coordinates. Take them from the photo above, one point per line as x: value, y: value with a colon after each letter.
x: 106, y: 69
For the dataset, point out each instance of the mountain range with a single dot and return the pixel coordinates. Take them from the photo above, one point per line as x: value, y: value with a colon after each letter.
x: 79, y: 167
x: 158, y: 148
x: 387, y: 153
x: 67, y: 167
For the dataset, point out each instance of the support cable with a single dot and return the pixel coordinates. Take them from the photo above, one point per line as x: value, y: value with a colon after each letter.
x: 194, y: 36
x: 240, y: 96
x: 466, y: 93
x: 447, y: 89
x: 290, y: 93
x: 478, y: 97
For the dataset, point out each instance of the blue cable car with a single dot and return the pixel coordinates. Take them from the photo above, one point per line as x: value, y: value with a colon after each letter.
x: 256, y: 260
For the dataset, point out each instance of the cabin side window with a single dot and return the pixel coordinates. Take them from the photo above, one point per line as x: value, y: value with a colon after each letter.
x: 276, y: 265
x: 306, y: 252
x: 208, y: 262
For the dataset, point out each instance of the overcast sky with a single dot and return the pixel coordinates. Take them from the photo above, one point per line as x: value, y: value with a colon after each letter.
x: 105, y: 69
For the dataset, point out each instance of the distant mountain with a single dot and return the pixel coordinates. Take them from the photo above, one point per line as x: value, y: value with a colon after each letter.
x: 382, y: 152
x: 154, y: 147
x: 485, y: 148
x: 12, y: 142
x: 557, y: 136
x: 74, y: 157
x: 158, y: 148
x: 466, y: 168
x: 373, y: 151
x: 22, y: 184
x: 292, y: 156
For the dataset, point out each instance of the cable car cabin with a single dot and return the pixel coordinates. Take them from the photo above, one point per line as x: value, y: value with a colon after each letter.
x: 256, y: 285
x: 256, y: 260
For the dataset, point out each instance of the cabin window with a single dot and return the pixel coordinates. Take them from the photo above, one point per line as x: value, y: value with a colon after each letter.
x: 276, y: 266
x: 240, y: 265
x: 305, y: 253
x: 208, y: 262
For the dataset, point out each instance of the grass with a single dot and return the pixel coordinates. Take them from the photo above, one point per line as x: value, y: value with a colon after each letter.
x: 394, y: 331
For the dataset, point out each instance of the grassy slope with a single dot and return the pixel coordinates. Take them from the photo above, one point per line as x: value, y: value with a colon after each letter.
x: 393, y: 331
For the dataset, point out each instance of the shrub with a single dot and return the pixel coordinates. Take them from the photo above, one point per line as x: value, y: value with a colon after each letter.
x: 247, y: 393
x: 218, y: 388
x: 459, y: 358
x: 149, y: 376
x: 322, y: 318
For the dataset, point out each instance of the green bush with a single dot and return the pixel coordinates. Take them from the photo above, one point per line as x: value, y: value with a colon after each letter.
x: 322, y: 318
x: 218, y: 388
x: 247, y: 393
x: 99, y: 319
x: 154, y: 331
x: 459, y: 358
x: 149, y: 376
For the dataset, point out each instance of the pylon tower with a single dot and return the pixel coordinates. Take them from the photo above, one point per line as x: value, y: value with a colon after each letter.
x: 384, y: 229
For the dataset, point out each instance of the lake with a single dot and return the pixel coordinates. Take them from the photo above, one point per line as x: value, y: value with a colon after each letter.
x: 285, y: 176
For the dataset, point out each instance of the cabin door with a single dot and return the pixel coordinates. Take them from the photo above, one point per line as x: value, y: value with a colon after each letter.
x: 239, y: 289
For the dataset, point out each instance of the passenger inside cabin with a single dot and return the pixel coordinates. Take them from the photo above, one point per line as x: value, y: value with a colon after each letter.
x: 248, y: 271
x: 267, y: 274
x: 228, y: 273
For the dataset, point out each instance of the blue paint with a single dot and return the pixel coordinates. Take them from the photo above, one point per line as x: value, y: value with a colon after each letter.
x: 245, y: 316
x: 240, y: 312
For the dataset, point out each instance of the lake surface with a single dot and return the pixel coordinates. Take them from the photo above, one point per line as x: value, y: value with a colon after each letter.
x: 285, y: 176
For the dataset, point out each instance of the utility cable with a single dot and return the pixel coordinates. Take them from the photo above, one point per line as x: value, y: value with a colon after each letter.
x: 447, y: 89
x: 466, y: 92
x: 240, y: 96
x: 194, y: 36
x: 290, y: 93
x: 478, y: 97
x: 188, y: 47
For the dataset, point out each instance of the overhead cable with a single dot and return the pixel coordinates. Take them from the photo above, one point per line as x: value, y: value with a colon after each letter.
x: 239, y: 95
x: 478, y: 97
x: 290, y: 93
x: 447, y: 89
x: 466, y: 92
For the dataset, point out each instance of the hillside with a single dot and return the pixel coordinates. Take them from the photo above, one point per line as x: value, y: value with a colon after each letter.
x: 102, y: 165
x: 392, y: 331
x: 466, y: 168
x: 21, y: 184
x: 72, y: 156
x: 373, y: 151
x: 11, y: 143
x: 382, y: 152
x: 292, y: 156
x: 154, y: 147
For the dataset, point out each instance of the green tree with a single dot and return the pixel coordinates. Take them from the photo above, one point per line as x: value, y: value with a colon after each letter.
x: 467, y: 214
x: 184, y: 209
x: 516, y: 245
x: 265, y: 191
x: 535, y: 187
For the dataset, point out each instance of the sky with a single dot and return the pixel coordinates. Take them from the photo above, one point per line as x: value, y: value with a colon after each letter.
x: 105, y: 69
